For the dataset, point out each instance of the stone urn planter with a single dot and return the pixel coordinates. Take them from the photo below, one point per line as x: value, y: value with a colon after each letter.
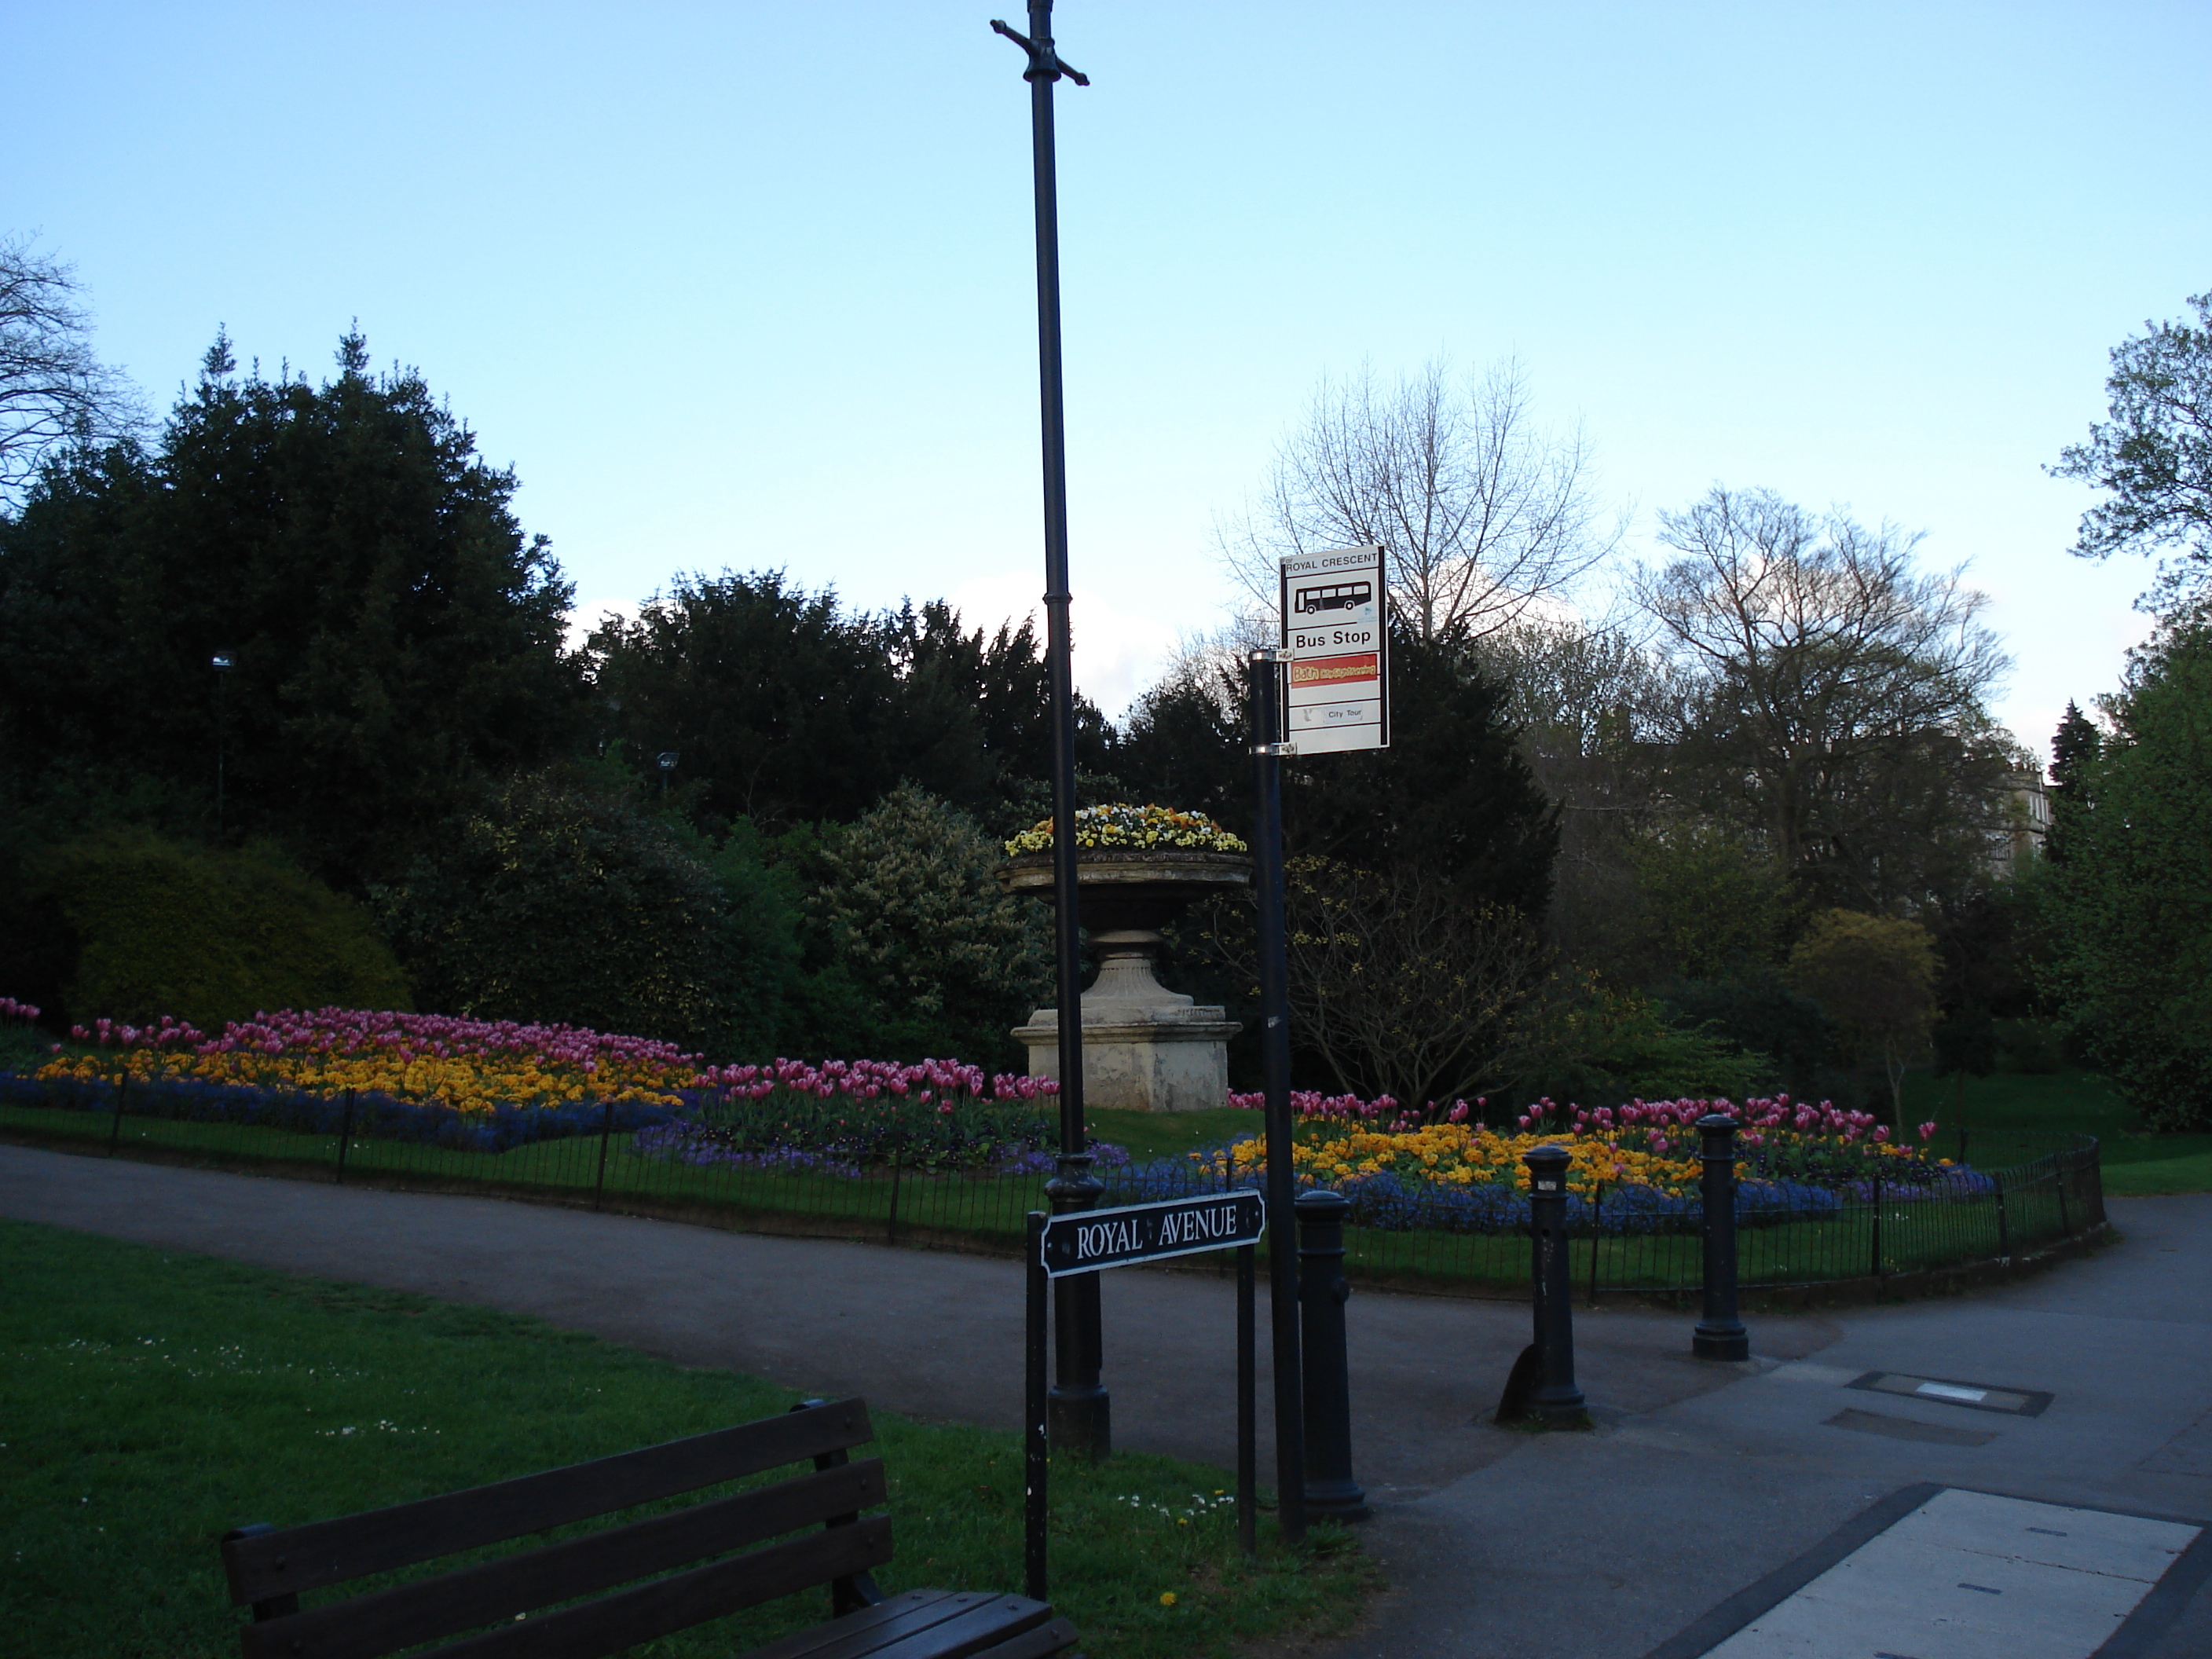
x: 1145, y: 1048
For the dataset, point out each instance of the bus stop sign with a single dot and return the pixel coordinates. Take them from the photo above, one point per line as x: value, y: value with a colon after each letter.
x: 1339, y: 646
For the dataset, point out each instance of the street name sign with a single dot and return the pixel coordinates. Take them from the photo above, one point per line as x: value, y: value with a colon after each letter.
x: 1084, y: 1241
x: 1338, y: 641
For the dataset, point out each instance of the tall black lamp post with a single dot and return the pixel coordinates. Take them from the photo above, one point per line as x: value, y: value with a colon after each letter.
x: 221, y: 663
x: 1080, y: 1423
x: 665, y: 759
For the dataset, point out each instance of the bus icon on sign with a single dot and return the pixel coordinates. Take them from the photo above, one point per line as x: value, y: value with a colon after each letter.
x: 1338, y: 596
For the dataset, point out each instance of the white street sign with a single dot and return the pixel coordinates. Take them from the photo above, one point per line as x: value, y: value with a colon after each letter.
x: 1339, y: 663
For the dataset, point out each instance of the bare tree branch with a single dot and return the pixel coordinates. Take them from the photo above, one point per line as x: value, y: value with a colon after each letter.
x: 1824, y: 670
x: 53, y: 392
x: 1482, y: 514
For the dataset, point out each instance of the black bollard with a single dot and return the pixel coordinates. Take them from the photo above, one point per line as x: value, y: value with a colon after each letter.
x: 1330, y: 1490
x: 1555, y: 1398
x: 1082, y: 1425
x: 1720, y: 1334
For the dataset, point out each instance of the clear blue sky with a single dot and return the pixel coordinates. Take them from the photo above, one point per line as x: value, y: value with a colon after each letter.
x: 748, y: 285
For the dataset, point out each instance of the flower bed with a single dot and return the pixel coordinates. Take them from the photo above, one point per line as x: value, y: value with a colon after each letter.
x: 1630, y: 1169
x: 488, y: 1086
x: 1122, y: 826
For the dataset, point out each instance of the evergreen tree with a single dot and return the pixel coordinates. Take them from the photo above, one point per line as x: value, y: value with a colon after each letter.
x: 394, y: 639
x: 2075, y: 749
x: 785, y: 709
x: 1452, y: 794
x: 1187, y: 746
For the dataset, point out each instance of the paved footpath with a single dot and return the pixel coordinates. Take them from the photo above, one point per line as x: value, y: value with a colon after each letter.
x: 1700, y: 1482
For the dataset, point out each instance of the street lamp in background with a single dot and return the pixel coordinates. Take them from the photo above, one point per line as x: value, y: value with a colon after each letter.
x: 667, y: 761
x: 221, y: 663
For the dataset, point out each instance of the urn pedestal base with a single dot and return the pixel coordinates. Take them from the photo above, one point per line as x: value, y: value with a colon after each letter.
x: 1141, y: 1066
x: 1145, y: 1048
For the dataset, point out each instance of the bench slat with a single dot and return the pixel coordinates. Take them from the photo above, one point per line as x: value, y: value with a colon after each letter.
x: 1036, y: 1642
x: 979, y: 1628
x: 633, y: 1617
x: 324, y: 1553
x: 387, y: 1620
x: 920, y: 1624
x: 863, y: 1632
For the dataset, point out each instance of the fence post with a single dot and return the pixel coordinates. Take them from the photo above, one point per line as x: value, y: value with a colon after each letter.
x: 2004, y: 1233
x: 1330, y: 1490
x: 115, y: 1129
x: 345, y: 1135
x: 1720, y: 1334
x: 890, y: 1225
x: 1555, y: 1397
x: 606, y: 1133
x: 2062, y: 1168
x: 1877, y: 1217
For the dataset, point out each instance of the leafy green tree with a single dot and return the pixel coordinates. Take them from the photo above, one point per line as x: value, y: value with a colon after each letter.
x: 778, y: 704
x: 2129, y: 911
x: 1831, y: 699
x: 945, y: 961
x: 1874, y: 977
x: 1708, y: 902
x: 785, y: 709
x: 2153, y: 457
x: 548, y: 901
x: 395, y: 640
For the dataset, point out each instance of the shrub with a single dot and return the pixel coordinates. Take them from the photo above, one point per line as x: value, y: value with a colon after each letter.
x: 945, y: 961
x: 1755, y: 1010
x: 155, y: 926
x: 1583, y: 1042
x: 550, y: 903
x: 2034, y: 1046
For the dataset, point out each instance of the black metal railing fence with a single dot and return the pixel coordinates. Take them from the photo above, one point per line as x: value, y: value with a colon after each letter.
x: 1623, y: 1241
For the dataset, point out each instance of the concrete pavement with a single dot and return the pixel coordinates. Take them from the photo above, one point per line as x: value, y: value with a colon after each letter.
x: 1700, y: 1480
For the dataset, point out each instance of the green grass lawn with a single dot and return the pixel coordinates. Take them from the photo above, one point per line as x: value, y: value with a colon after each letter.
x: 2135, y: 1163
x: 149, y: 1401
x: 1149, y: 1135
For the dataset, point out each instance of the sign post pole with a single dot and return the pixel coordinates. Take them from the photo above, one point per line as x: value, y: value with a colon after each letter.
x: 1079, y: 1403
x: 1275, y: 1061
x: 1325, y: 690
x: 1076, y: 1248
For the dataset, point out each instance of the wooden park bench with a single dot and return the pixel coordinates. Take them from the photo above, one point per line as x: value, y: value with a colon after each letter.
x: 500, y: 1600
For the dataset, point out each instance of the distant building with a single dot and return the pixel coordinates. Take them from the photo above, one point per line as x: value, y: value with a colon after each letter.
x: 2025, y: 825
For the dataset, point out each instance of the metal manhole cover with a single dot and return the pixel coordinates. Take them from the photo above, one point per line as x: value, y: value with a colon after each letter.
x: 1949, y: 1391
